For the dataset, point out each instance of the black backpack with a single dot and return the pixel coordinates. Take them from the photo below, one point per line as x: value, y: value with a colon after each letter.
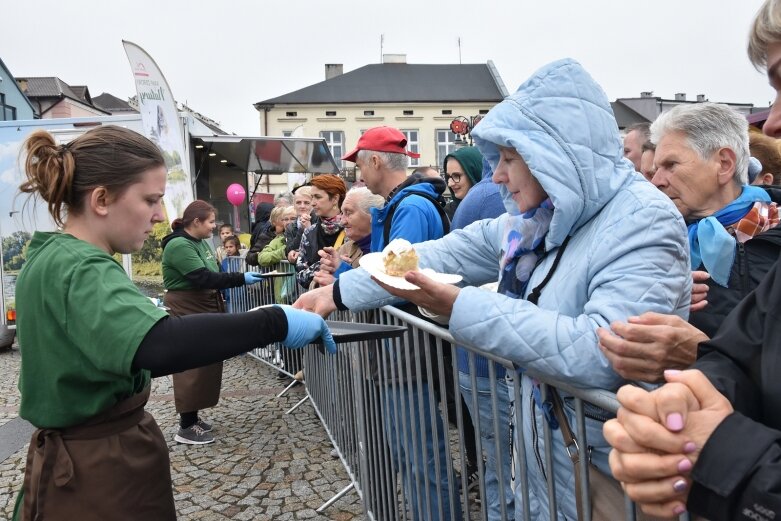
x: 438, y: 204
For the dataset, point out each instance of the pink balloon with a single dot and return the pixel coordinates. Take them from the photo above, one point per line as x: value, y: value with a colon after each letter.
x: 236, y: 194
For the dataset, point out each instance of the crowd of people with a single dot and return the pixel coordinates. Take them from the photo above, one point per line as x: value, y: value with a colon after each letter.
x: 645, y: 265
x: 653, y: 259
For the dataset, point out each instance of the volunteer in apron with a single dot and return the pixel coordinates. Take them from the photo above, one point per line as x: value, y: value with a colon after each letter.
x: 90, y: 341
x: 192, y: 280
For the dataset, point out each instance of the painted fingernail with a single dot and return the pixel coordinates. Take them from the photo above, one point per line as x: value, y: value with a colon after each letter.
x: 689, y: 447
x: 685, y: 465
x: 680, y: 485
x: 674, y: 421
x: 679, y: 509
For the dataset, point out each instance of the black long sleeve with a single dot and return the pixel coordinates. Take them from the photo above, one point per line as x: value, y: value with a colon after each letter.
x: 204, y: 278
x: 176, y: 344
x: 738, y: 472
x: 737, y: 480
x: 262, y: 241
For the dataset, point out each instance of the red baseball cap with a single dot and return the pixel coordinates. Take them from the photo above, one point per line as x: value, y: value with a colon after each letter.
x: 381, y: 139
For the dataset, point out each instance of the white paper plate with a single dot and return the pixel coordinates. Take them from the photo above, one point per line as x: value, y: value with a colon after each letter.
x: 372, y: 262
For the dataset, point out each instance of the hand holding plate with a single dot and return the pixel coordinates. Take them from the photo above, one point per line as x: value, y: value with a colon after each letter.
x: 434, y: 296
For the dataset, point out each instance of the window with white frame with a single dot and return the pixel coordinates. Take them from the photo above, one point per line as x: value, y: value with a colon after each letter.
x: 446, y: 143
x: 413, y: 145
x: 335, y: 141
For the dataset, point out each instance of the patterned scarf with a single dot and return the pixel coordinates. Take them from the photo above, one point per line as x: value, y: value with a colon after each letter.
x: 761, y: 218
x: 331, y: 225
x: 710, y: 242
x: 522, y: 238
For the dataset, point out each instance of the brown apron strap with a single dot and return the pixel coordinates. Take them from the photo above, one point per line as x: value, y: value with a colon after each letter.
x: 189, y: 301
x: 48, y: 456
x: 570, y: 443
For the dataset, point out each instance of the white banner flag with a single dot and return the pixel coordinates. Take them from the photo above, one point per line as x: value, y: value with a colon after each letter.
x: 161, y: 124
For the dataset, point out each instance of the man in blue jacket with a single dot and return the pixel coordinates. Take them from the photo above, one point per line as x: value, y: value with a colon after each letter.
x: 411, y: 202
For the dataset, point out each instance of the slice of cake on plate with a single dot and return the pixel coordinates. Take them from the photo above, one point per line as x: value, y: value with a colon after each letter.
x: 399, y: 257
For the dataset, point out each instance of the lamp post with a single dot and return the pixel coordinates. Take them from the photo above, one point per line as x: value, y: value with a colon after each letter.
x: 462, y: 127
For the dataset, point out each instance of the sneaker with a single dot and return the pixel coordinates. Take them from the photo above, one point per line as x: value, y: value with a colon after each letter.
x: 193, y: 435
x: 205, y: 427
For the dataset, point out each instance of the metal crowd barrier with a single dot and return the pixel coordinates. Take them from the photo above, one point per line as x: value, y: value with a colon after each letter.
x: 277, y: 290
x: 388, y: 408
x: 394, y: 410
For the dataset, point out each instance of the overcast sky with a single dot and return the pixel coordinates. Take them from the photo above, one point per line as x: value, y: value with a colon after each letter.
x: 222, y: 56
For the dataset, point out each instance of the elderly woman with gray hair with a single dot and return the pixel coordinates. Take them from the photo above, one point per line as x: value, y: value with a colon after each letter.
x: 357, y: 221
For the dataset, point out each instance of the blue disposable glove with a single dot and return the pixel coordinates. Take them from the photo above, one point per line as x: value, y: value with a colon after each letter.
x: 305, y: 328
x: 252, y: 278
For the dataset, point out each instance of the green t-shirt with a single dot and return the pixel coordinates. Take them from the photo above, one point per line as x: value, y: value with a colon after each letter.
x: 80, y: 321
x: 182, y: 256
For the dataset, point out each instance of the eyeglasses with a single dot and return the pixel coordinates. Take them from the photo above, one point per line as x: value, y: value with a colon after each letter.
x: 455, y: 177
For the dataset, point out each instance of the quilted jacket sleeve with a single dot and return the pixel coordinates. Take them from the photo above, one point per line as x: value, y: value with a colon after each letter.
x: 622, y: 263
x: 470, y: 252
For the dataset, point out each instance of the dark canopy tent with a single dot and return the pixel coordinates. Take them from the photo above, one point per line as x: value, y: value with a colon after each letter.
x: 273, y: 155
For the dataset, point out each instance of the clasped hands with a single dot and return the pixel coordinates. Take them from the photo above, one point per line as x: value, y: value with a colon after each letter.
x: 657, y: 438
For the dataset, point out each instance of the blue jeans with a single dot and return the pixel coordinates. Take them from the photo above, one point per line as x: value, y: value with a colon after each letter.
x: 487, y: 440
x: 409, y: 438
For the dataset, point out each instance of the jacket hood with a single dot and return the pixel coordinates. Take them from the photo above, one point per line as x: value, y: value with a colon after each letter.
x: 178, y: 232
x: 471, y: 160
x: 488, y: 172
x: 437, y: 184
x: 263, y: 212
x: 561, y: 123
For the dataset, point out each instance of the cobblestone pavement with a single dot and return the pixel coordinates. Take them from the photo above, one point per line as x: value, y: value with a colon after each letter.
x: 264, y: 465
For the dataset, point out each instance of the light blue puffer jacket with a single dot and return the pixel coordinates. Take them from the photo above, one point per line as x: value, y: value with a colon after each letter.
x: 628, y: 254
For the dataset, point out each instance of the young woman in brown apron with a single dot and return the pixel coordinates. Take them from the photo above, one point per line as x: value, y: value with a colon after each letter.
x: 91, y: 342
x: 192, y: 280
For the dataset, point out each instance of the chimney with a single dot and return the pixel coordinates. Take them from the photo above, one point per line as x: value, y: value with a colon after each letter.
x: 680, y: 96
x: 647, y: 94
x: 332, y: 70
x: 394, y: 58
x: 22, y: 83
x: 701, y: 98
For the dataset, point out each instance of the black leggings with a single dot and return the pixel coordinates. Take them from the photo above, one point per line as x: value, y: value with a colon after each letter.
x: 188, y: 419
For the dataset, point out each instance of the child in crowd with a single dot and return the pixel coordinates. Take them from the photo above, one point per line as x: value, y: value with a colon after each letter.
x: 231, y: 263
x: 230, y: 246
x: 226, y: 230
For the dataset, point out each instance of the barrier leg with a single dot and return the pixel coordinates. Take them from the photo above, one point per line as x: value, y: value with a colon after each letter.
x: 305, y: 398
x: 336, y: 498
x: 286, y: 389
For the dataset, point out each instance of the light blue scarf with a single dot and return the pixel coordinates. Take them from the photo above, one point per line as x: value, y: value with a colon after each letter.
x: 711, y: 245
x: 522, y: 236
